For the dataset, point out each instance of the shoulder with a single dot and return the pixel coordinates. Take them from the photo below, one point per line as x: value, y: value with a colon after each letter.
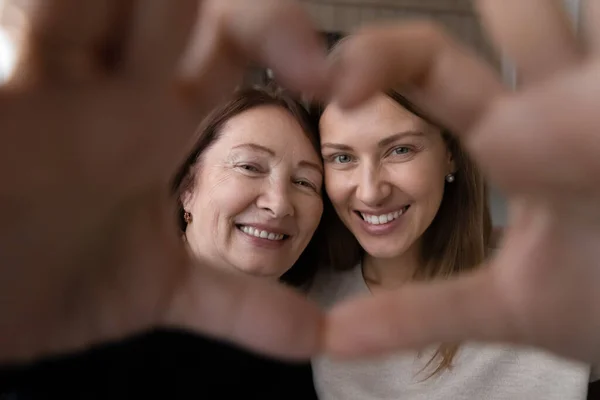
x: 332, y: 286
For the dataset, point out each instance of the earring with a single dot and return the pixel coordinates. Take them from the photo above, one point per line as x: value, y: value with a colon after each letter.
x: 450, y: 178
x: 187, y: 217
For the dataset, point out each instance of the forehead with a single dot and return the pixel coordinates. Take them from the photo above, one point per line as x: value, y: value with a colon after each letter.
x: 379, y: 116
x: 269, y: 126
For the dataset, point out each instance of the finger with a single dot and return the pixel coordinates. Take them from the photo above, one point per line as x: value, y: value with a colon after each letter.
x: 417, y: 316
x: 161, y: 30
x: 264, y: 317
x: 69, y: 39
x: 453, y: 83
x: 535, y: 34
x: 271, y: 33
x: 591, y: 25
x: 523, y: 138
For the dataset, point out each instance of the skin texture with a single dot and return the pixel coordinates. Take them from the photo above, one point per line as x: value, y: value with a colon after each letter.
x: 103, y: 107
x: 240, y: 183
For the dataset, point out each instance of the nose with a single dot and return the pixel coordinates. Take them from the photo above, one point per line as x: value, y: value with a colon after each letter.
x: 276, y: 199
x: 372, y: 189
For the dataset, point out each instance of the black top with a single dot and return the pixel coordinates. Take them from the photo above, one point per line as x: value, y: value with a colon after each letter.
x: 174, y: 365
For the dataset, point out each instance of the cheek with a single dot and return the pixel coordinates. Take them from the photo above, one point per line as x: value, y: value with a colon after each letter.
x: 309, y: 212
x: 421, y: 179
x: 428, y: 194
x: 422, y: 190
x: 226, y: 195
x: 337, y: 187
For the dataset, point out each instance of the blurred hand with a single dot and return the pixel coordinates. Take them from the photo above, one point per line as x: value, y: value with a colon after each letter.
x: 101, y: 110
x: 540, y: 145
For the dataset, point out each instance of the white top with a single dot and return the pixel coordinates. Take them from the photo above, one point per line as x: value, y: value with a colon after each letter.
x: 480, y: 372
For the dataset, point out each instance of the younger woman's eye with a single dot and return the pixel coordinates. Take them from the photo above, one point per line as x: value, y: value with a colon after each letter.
x: 342, y: 159
x: 401, y: 150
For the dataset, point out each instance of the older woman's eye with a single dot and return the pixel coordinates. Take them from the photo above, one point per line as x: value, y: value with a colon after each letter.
x: 248, y: 167
x: 307, y: 184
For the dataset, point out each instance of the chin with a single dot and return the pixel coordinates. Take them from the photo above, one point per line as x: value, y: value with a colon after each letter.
x: 262, y: 270
x: 384, y: 254
x: 390, y: 251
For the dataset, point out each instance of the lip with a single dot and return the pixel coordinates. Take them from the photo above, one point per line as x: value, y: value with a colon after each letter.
x: 263, y: 243
x: 381, y: 229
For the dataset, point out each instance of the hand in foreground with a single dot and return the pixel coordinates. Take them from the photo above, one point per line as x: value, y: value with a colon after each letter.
x: 100, y: 113
x: 540, y: 145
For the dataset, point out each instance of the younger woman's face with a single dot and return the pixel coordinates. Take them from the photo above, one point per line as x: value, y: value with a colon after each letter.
x: 385, y: 172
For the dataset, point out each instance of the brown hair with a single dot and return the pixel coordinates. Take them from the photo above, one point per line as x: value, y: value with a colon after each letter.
x: 209, y: 131
x: 456, y: 240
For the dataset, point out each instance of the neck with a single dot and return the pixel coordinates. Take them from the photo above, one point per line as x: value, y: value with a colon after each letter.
x: 390, y: 273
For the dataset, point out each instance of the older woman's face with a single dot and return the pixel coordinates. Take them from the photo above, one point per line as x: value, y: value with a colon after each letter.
x: 257, y: 199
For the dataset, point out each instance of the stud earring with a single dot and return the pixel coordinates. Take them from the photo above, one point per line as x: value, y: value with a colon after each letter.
x: 450, y: 178
x: 187, y: 217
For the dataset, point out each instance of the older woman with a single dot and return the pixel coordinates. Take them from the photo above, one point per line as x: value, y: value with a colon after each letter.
x: 250, y: 191
x: 250, y: 197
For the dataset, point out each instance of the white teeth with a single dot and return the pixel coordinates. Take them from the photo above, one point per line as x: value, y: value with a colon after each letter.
x: 382, y: 219
x: 260, y: 233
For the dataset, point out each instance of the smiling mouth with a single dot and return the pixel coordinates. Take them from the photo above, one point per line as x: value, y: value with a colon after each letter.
x: 382, y: 219
x: 262, y: 234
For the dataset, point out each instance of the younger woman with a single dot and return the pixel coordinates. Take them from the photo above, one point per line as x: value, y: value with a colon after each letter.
x: 410, y: 205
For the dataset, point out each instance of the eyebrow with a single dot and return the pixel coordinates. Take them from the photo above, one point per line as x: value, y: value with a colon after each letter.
x: 263, y: 149
x: 391, y: 139
x: 382, y: 143
x: 255, y: 146
x: 312, y: 165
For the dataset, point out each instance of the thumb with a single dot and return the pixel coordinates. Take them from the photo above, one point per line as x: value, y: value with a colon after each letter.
x: 419, y: 315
